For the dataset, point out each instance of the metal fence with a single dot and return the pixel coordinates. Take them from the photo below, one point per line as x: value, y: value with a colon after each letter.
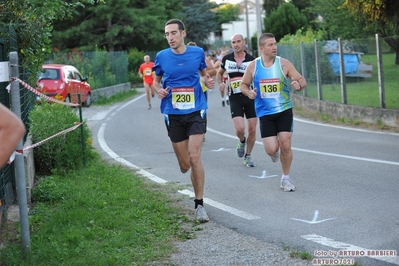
x: 9, y: 43
x: 102, y: 68
x: 348, y: 72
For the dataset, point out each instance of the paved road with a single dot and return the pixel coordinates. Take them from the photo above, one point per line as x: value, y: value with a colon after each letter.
x: 347, y: 180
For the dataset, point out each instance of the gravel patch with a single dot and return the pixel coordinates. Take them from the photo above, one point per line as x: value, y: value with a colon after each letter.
x: 218, y: 245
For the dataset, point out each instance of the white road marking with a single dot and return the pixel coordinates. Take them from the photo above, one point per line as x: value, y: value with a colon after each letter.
x: 159, y: 180
x: 314, y: 220
x: 346, y: 128
x: 348, y: 247
x: 222, y: 206
x: 264, y: 175
x: 116, y: 157
x: 317, y: 152
x: 221, y: 149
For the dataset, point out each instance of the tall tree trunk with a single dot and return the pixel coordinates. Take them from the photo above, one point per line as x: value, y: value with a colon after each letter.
x: 111, y: 39
x: 393, y: 42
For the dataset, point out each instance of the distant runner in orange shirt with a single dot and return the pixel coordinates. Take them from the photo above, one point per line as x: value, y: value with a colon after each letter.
x: 145, y: 72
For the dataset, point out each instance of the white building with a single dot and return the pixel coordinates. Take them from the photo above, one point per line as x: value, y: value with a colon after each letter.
x: 240, y: 26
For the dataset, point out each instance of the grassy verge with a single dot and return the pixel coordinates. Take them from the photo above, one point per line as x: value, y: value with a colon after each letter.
x: 100, y: 215
x: 342, y: 121
x: 364, y: 92
x: 118, y: 97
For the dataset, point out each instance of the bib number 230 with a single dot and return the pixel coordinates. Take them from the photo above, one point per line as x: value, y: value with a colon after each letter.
x: 183, y: 98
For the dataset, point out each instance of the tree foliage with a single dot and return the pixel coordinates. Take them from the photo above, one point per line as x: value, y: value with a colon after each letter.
x: 226, y: 13
x: 382, y: 15
x: 271, y: 5
x: 336, y: 21
x: 199, y: 20
x: 285, y: 20
x: 301, y: 36
x: 117, y: 25
x: 32, y: 21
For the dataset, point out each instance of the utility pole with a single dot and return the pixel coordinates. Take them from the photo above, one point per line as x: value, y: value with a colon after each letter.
x: 19, y: 159
x: 248, y: 36
x: 258, y: 22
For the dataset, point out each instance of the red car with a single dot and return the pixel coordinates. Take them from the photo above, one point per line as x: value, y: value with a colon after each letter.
x: 64, y: 83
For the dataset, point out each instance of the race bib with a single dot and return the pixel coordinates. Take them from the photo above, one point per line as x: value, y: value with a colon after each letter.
x: 148, y: 72
x: 270, y: 88
x: 183, y: 98
x: 235, y: 84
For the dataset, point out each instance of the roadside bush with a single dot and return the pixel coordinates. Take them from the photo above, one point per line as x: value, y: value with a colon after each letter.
x: 102, y: 68
x: 135, y: 59
x: 64, y: 152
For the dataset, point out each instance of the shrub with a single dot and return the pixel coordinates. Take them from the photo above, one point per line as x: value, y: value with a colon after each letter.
x: 135, y: 59
x: 63, y: 152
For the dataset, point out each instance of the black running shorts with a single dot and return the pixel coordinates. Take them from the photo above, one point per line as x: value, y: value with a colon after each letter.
x: 240, y: 105
x: 180, y: 127
x: 271, y: 125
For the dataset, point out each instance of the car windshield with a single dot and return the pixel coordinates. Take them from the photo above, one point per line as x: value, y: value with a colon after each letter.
x: 50, y: 74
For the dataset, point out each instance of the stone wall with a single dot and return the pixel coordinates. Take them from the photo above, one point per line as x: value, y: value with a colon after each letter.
x: 388, y: 117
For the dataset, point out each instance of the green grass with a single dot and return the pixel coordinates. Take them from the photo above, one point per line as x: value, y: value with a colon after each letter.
x: 366, y: 92
x: 101, y: 215
x: 118, y: 97
x: 304, y: 255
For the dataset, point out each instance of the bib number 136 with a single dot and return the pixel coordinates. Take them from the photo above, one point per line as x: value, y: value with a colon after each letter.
x: 270, y: 88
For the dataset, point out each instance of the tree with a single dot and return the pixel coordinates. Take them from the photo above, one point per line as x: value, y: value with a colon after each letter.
x: 271, y: 5
x: 226, y: 13
x: 382, y: 15
x: 117, y: 25
x: 285, y: 20
x: 336, y: 21
x: 33, y: 26
x: 199, y: 20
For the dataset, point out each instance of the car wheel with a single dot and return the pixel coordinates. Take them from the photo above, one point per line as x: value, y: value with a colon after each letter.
x: 87, y: 103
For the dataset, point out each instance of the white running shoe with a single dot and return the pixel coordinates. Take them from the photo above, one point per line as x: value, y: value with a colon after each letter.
x: 287, y: 185
x: 275, y: 157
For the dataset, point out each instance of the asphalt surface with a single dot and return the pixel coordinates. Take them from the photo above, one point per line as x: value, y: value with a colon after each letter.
x: 346, y: 198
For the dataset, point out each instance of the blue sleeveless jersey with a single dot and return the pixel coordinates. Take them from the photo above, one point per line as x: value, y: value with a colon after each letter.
x: 180, y: 74
x: 272, y: 93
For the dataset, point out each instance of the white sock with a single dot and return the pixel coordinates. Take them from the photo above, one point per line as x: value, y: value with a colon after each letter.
x: 285, y: 177
x: 227, y: 98
x: 222, y: 99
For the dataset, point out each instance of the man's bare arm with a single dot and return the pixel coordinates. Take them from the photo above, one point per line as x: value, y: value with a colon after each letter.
x: 11, y: 131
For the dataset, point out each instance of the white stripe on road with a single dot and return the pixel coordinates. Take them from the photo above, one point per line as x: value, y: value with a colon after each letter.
x: 316, y: 152
x: 348, y: 247
x: 222, y: 207
x: 346, y: 128
x: 116, y: 157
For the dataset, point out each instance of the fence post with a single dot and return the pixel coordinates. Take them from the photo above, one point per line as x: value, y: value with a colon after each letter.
x: 318, y: 75
x: 342, y: 72
x: 19, y: 160
x: 82, y: 138
x: 305, y: 92
x: 381, y: 85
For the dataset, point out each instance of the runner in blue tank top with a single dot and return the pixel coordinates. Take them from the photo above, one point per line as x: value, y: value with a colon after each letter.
x: 178, y: 70
x: 269, y: 74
